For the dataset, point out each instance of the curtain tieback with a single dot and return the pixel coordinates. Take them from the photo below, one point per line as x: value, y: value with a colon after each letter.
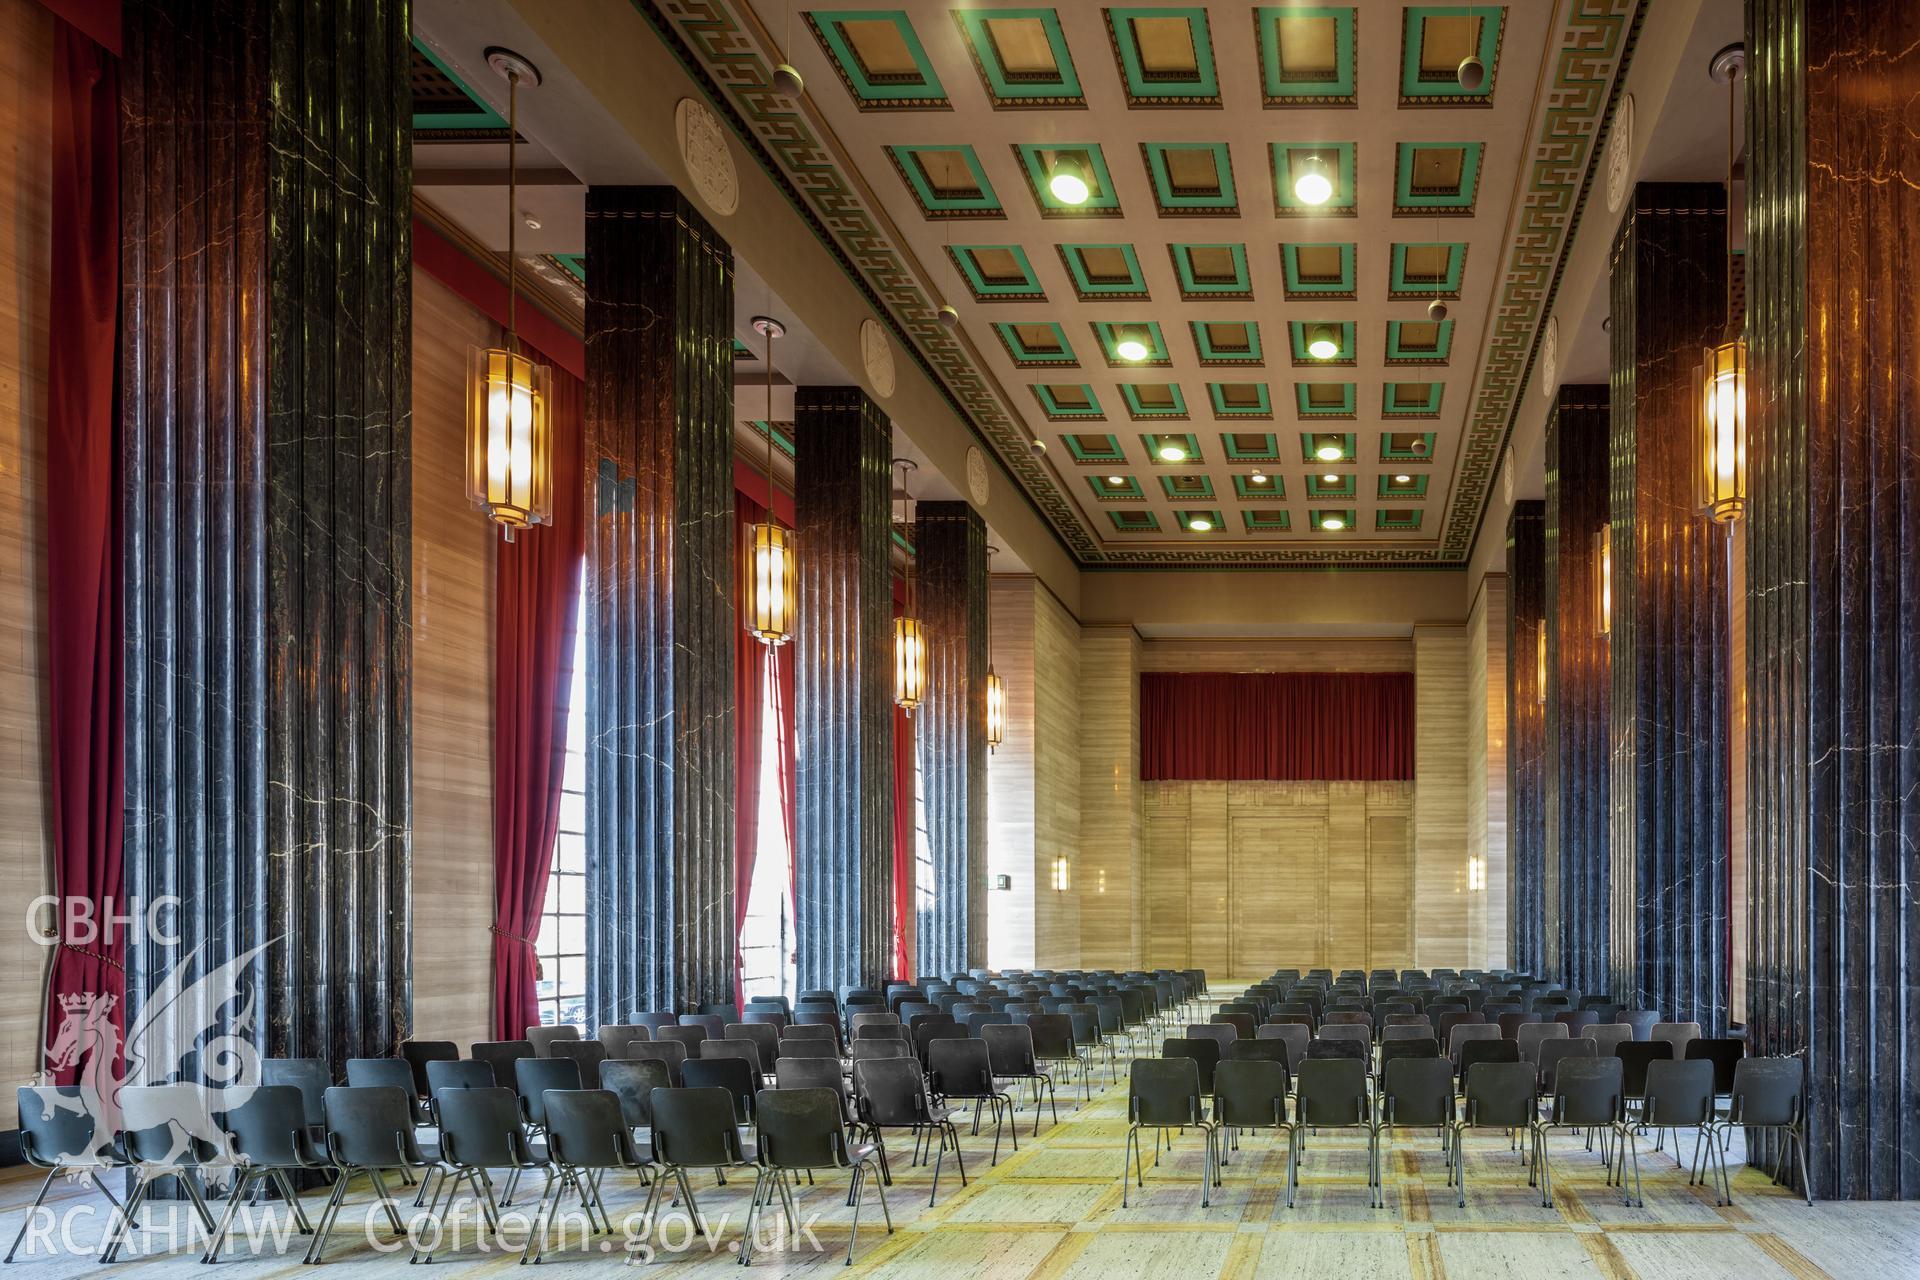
x: 494, y: 928
x: 92, y: 955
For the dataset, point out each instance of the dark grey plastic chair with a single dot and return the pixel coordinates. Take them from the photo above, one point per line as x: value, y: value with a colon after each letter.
x: 1331, y: 1093
x: 1248, y: 1093
x: 735, y: 1075
x: 1498, y: 1095
x: 586, y: 1054
x: 960, y: 1069
x: 633, y: 1080
x: 460, y: 1073
x: 312, y: 1078
x: 1010, y: 1050
x: 693, y: 1129
x: 166, y: 1132
x: 1770, y: 1094
x: 58, y: 1134
x: 418, y: 1053
x: 1676, y: 1095
x: 1416, y: 1093
x: 616, y: 1036
x: 369, y: 1131
x: 501, y: 1055
x: 480, y: 1130
x: 1164, y: 1094
x: 534, y: 1076
x: 670, y: 1053
x: 587, y: 1137
x: 1586, y: 1094
x: 801, y: 1131
x: 544, y: 1038
x: 891, y: 1093
x: 270, y: 1140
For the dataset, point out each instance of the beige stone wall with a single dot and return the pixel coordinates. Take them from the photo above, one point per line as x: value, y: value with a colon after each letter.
x: 1486, y: 727
x: 1440, y: 795
x: 1110, y: 878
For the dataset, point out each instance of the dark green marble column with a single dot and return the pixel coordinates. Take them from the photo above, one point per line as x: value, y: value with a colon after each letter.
x: 1833, y: 578
x: 660, y: 605
x: 843, y: 689
x: 950, y: 732
x: 1669, y: 788
x: 1526, y: 738
x: 266, y: 351
x: 1579, y: 694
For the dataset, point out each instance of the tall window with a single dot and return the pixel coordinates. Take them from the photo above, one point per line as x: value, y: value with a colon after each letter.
x: 766, y: 938
x: 923, y: 884
x: 562, y: 941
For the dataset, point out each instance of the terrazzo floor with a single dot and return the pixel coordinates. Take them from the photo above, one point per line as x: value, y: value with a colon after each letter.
x: 1053, y: 1211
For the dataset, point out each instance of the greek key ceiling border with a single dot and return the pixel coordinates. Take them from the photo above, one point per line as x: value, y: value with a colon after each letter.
x: 1595, y: 46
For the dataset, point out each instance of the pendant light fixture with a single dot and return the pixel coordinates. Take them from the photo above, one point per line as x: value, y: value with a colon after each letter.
x: 767, y: 568
x: 787, y: 80
x: 996, y: 691
x: 1321, y: 344
x: 909, y: 639
x: 1312, y: 179
x: 1067, y: 180
x: 1720, y: 400
x: 509, y: 436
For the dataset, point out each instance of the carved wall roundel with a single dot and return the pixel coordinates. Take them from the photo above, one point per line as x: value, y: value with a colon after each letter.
x: 876, y: 353
x: 703, y: 148
x: 1550, y: 358
x: 1619, y: 154
x: 977, y: 477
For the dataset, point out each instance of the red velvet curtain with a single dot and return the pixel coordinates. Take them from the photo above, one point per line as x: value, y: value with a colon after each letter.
x: 749, y: 676
x: 537, y: 587
x: 902, y: 840
x: 1285, y: 725
x: 85, y: 616
x: 783, y: 713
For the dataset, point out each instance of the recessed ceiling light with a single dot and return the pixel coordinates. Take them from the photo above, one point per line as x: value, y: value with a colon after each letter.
x: 1200, y: 524
x: 1329, y: 478
x: 1171, y: 452
x: 1257, y: 478
x: 1403, y: 479
x: 1320, y: 343
x: 1117, y: 481
x: 1333, y: 524
x: 1131, y: 348
x: 1329, y: 452
x: 1313, y: 181
x: 1068, y: 181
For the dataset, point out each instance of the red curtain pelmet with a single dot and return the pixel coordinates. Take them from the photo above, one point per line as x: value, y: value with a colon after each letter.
x: 1309, y: 726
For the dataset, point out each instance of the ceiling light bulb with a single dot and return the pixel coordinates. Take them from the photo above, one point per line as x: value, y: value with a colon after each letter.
x: 1131, y: 348
x: 1320, y: 343
x: 1333, y: 524
x: 1313, y: 181
x: 1329, y: 452
x: 1258, y: 478
x: 1330, y: 478
x: 1068, y: 181
x: 1171, y: 452
x: 1403, y: 479
x: 1200, y: 524
x: 1117, y: 482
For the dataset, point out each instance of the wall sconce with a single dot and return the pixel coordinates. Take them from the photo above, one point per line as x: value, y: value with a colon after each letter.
x: 1476, y: 874
x: 1540, y: 665
x: 1103, y: 881
x: 1062, y: 874
x: 1603, y: 582
x: 1003, y: 882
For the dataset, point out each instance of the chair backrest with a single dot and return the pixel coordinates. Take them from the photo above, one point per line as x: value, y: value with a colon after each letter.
x: 1510, y: 1023
x: 1249, y: 1093
x: 1530, y: 1036
x: 735, y: 1075
x: 695, y: 1128
x: 670, y: 1053
x: 544, y: 1038
x: 532, y: 1077
x: 480, y: 1129
x: 1223, y: 1033
x: 959, y: 1068
x: 586, y: 1129
x: 418, y: 1053
x: 616, y: 1036
x: 1499, y: 1095
x: 1205, y: 1052
x: 1724, y: 1053
x: 1767, y: 1091
x: 633, y: 1081
x: 1635, y: 1057
x: 890, y: 1091
x: 162, y: 1123
x: 586, y: 1054
x: 1554, y: 1052
x: 806, y: 1047
x: 1350, y: 1018
x: 462, y: 1073
x: 310, y: 1076
x: 873, y: 1020
x: 1293, y: 1034
x: 813, y: 1073
x: 1242, y: 1021
x: 880, y: 1047
x: 1677, y: 1093
x: 685, y: 1034
x: 372, y: 1128
x: 1010, y: 1048
x: 655, y: 1019
x: 1274, y: 1051
x: 1331, y: 1092
x: 1362, y: 1035
x: 501, y: 1055
x: 1052, y: 1036
x: 745, y: 1050
x: 1467, y: 1033
x: 365, y: 1072
x: 713, y: 1024
x: 764, y: 1037
x: 1586, y: 1089
x: 801, y: 1129
x: 1606, y: 1036
x: 1677, y: 1034
x: 1643, y: 1021
x: 1417, y: 1091
x: 57, y: 1126
x: 766, y: 1015
x: 1495, y: 1049
x: 1164, y: 1092
x: 269, y: 1129
x: 1412, y: 1047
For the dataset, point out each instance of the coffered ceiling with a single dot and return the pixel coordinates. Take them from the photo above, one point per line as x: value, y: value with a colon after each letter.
x: 922, y: 148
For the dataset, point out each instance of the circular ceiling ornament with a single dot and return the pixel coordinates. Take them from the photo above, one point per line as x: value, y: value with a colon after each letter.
x: 703, y: 149
x: 977, y: 477
x: 876, y: 354
x: 1550, y: 358
x: 1506, y: 475
x: 1619, y: 154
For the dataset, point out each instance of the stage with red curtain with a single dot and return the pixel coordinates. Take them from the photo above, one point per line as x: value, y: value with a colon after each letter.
x: 1247, y: 726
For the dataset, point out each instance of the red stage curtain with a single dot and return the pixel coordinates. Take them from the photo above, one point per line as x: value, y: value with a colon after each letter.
x: 749, y: 676
x: 537, y: 578
x: 86, y: 621
x: 902, y: 840
x: 1283, y: 726
x: 783, y: 730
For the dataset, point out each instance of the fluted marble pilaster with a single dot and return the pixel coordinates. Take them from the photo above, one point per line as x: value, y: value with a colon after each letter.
x: 950, y: 732
x: 265, y: 400
x: 1579, y: 693
x: 1526, y: 738
x: 1669, y: 788
x: 843, y: 689
x: 660, y: 605
x: 1833, y: 578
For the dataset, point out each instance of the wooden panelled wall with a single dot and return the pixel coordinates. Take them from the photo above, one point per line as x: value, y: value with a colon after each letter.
x: 1486, y: 729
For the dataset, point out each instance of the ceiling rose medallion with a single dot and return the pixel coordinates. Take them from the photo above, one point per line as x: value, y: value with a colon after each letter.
x: 703, y: 149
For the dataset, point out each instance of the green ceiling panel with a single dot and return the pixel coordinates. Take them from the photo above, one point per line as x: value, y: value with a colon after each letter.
x: 1324, y: 399
x: 1046, y: 348
x: 1414, y: 193
x: 1128, y: 490
x: 1251, y: 446
x: 997, y: 272
x: 1282, y: 157
x: 1267, y: 520
x: 1313, y: 441
x: 445, y: 104
x: 1306, y: 55
x: 1165, y: 56
x: 1406, y: 446
x: 1185, y: 441
x: 1432, y: 81
x: 947, y: 180
x: 1343, y: 486
x: 1189, y: 519
x: 1211, y: 271
x: 1096, y: 448
x: 1036, y: 164
x: 902, y: 75
x: 1067, y: 400
x: 1318, y: 270
x: 1397, y: 519
x: 1227, y: 341
x: 1414, y: 489
x: 1191, y: 179
x: 1300, y: 333
x: 1187, y: 487
x: 1109, y: 333
x: 1134, y: 521
x: 1104, y: 271
x: 1402, y: 284
x: 1014, y: 77
x: 1274, y: 487
x: 1419, y: 341
x: 1240, y: 399
x: 1154, y: 400
x: 1324, y: 518
x: 1411, y: 399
